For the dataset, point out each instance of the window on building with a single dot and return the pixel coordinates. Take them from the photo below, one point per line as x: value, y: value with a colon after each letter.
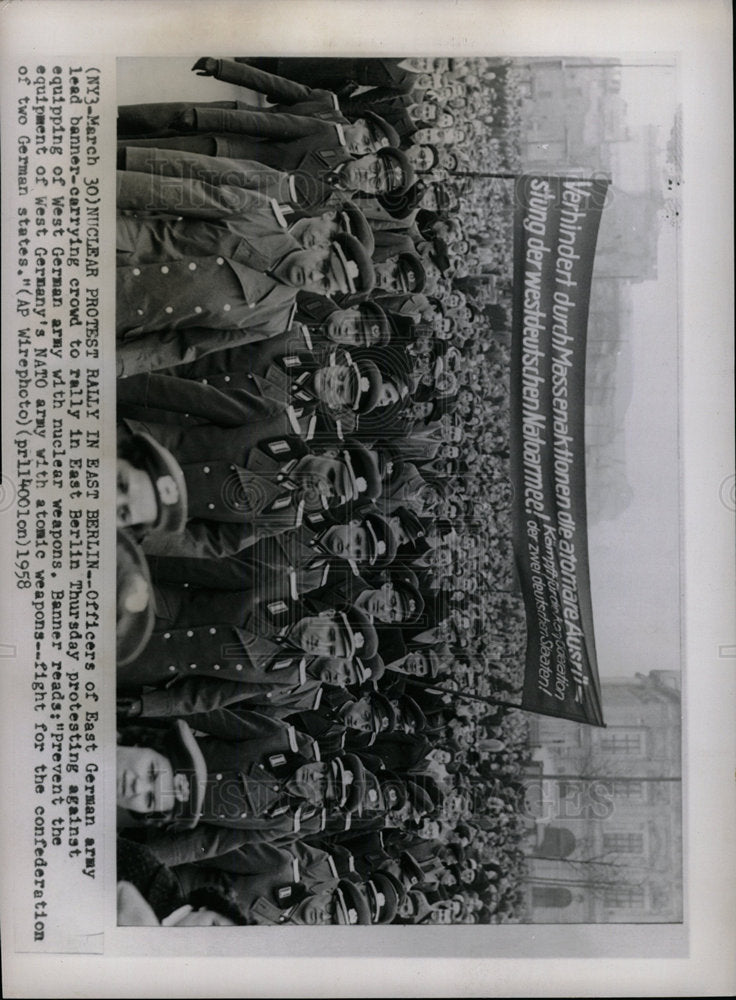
x: 551, y: 895
x: 625, y: 742
x: 623, y: 843
x: 624, y: 897
x: 633, y: 791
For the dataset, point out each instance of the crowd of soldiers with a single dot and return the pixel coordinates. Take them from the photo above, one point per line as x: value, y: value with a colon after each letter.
x: 318, y: 630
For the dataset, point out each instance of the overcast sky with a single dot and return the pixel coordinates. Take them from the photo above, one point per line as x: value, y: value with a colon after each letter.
x: 635, y: 557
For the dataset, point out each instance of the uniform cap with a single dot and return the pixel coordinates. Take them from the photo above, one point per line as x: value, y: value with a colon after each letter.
x: 351, y: 265
x: 382, y: 540
x: 360, y: 632
x: 398, y: 171
x: 186, y: 758
x: 351, y: 906
x: 375, y: 322
x: 349, y: 781
x: 382, y: 130
x: 135, y: 613
x: 168, y: 482
x: 384, y: 893
x: 362, y: 465
x: 384, y: 716
x: 412, y: 276
x: 352, y: 222
x: 367, y: 382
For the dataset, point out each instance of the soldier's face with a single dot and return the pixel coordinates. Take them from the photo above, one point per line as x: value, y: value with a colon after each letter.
x: 385, y: 604
x: 339, y: 672
x: 310, y: 781
x: 416, y: 664
x: 334, y: 386
x: 320, y: 636
x: 146, y: 782
x: 347, y: 541
x: 346, y: 326
x: 315, y: 232
x: 136, y: 497
x: 386, y: 276
x: 360, y: 716
x: 321, y: 477
x: 389, y: 394
x: 366, y: 174
x: 359, y: 139
x: 308, y: 270
x: 316, y: 910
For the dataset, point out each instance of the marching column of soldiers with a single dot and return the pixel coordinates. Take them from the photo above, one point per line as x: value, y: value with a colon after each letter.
x: 286, y: 305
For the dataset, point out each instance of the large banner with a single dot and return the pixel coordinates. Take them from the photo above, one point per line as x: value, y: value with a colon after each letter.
x: 556, y: 223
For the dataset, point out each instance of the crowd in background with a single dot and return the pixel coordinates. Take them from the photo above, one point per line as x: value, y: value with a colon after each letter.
x: 389, y: 630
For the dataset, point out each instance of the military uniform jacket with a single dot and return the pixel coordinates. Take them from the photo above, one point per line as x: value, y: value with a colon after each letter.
x: 219, y: 651
x: 185, y: 607
x: 215, y: 706
x: 287, y: 566
x: 194, y: 184
x: 248, y: 781
x: 215, y: 291
x: 138, y: 121
x: 281, y: 402
x: 288, y: 142
x: 285, y: 876
x: 255, y: 237
x: 286, y: 94
x: 232, y: 511
x: 229, y: 369
x: 336, y: 73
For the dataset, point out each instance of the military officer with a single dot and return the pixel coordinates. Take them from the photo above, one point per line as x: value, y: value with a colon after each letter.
x: 179, y: 780
x: 365, y: 325
x: 286, y: 877
x: 276, y: 654
x: 281, y: 140
x: 151, y: 489
x: 135, y: 615
x: 233, y: 511
x: 298, y: 395
x: 228, y: 282
x: 142, y: 120
x: 343, y: 906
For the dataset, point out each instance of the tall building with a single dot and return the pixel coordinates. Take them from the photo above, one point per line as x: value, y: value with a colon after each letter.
x: 605, y: 810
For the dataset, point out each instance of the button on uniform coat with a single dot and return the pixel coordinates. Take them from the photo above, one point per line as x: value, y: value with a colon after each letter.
x: 220, y: 651
x: 180, y: 273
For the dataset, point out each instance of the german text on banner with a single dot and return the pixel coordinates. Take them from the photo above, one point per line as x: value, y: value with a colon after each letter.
x: 556, y: 222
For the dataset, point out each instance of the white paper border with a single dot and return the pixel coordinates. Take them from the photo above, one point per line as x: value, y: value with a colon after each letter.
x: 700, y: 31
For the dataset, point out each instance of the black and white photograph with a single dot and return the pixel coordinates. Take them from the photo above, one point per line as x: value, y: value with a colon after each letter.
x: 397, y: 338
x: 381, y: 363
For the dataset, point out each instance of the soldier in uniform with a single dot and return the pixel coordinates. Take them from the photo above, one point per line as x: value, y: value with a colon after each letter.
x: 135, y: 615
x: 232, y: 511
x: 293, y: 564
x: 277, y: 654
x: 142, y: 120
x: 298, y: 396
x: 364, y: 325
x: 151, y: 490
x: 170, y: 778
x: 218, y: 279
